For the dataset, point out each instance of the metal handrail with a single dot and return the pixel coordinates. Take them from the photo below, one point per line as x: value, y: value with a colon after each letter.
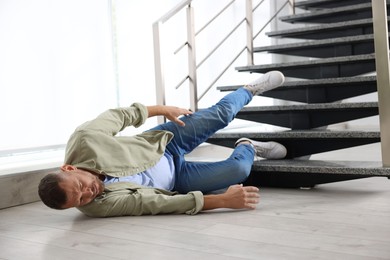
x: 213, y: 50
x: 205, y: 26
x: 173, y: 11
x: 158, y: 57
x: 381, y: 41
x: 272, y: 18
x: 190, y: 43
x: 220, y: 43
x: 221, y: 74
x: 242, y: 50
x: 217, y: 46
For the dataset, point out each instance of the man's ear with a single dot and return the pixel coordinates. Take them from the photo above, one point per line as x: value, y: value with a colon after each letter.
x: 68, y: 168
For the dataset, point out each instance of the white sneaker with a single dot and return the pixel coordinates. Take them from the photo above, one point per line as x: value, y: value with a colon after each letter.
x: 268, y: 81
x: 267, y: 150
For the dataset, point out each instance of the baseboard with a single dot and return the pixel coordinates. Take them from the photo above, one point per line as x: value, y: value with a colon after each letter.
x: 20, y: 188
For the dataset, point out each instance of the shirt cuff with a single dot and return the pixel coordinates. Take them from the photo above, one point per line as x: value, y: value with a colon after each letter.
x: 199, y: 202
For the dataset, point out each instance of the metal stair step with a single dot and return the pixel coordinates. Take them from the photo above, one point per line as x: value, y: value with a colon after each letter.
x: 319, y: 90
x: 302, y: 142
x: 317, y: 166
x: 308, y: 116
x: 339, y: 14
x: 308, y: 173
x: 325, y: 48
x: 345, y: 66
x: 319, y: 4
x: 324, y: 31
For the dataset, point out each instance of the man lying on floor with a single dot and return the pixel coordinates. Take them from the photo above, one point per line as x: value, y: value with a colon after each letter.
x: 106, y: 175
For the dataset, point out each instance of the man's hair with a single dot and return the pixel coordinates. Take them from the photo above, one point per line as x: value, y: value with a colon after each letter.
x: 51, y: 194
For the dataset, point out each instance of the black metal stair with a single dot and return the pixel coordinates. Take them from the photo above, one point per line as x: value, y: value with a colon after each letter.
x: 319, y: 90
x: 325, y: 31
x: 331, y: 15
x: 303, y: 142
x: 308, y: 116
x: 341, y: 50
x: 320, y: 4
x: 270, y: 173
x: 345, y: 66
x: 335, y: 47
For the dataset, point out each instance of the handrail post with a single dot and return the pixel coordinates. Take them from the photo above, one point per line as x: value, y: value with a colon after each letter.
x: 192, y: 59
x: 292, y: 6
x: 383, y: 74
x: 249, y: 32
x: 158, y: 68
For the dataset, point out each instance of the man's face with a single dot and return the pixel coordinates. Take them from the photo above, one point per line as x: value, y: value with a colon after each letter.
x: 81, y: 187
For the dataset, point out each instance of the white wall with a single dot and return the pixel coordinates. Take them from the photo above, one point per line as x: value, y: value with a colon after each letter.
x: 55, y: 69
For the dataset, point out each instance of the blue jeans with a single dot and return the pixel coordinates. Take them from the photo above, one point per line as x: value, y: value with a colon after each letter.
x: 209, y: 176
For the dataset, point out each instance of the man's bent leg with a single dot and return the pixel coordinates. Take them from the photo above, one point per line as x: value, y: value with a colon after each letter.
x: 211, y: 176
x: 204, y: 123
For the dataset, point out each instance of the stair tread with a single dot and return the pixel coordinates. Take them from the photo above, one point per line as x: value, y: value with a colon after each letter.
x: 322, y: 27
x: 296, y: 64
x: 314, y: 82
x: 301, y: 142
x: 307, y: 107
x: 319, y: 90
x: 308, y: 116
x: 317, y: 43
x: 319, y: 3
x: 300, y: 134
x: 331, y: 81
x: 326, y: 12
x: 327, y: 167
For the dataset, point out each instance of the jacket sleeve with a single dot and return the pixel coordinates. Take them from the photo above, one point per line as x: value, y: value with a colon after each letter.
x: 115, y: 120
x: 146, y: 201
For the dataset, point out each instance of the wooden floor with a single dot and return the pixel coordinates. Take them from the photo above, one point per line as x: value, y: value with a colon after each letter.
x: 345, y: 220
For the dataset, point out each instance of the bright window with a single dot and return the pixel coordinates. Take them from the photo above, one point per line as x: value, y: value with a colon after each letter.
x: 56, y: 69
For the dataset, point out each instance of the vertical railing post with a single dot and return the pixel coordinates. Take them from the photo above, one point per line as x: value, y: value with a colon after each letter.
x: 249, y: 32
x: 292, y: 6
x: 383, y: 74
x: 158, y: 67
x: 192, y: 59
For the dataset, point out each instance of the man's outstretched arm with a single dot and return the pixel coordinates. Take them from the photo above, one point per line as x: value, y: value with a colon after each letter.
x: 236, y: 197
x: 170, y: 112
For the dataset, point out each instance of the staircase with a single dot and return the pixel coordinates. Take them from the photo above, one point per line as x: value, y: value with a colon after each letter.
x: 342, y: 43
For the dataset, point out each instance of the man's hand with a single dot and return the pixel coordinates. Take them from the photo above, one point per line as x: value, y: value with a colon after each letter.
x: 170, y: 112
x: 236, y: 197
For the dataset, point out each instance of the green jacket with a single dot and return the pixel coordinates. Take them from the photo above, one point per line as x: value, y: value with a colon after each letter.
x: 95, y: 147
